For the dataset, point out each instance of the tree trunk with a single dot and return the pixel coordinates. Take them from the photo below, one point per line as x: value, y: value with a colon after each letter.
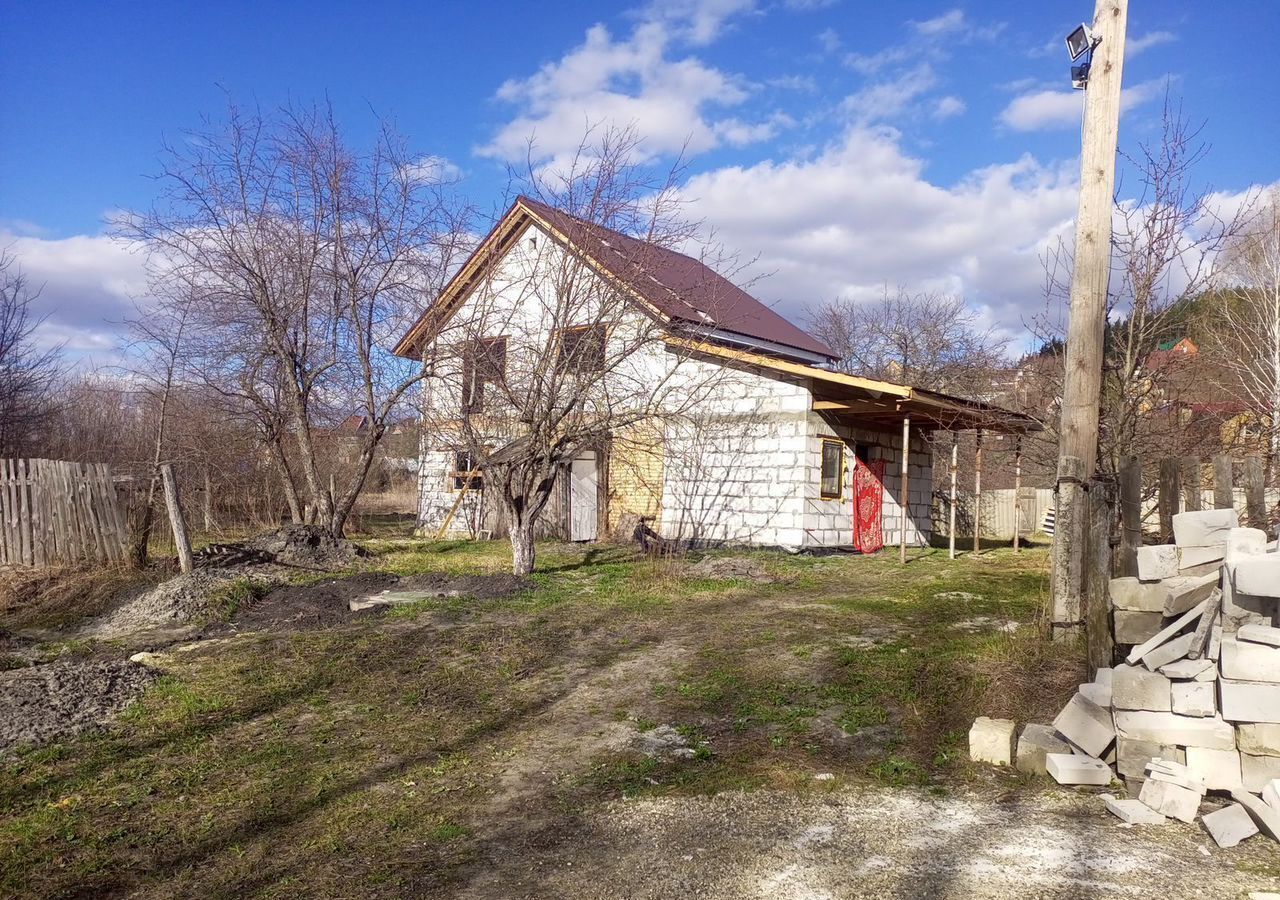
x: 207, y: 506
x: 342, y: 507
x: 140, y: 540
x: 522, y: 548
x: 286, y: 480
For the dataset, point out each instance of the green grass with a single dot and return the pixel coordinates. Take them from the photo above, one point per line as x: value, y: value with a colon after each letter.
x: 229, y: 598
x: 368, y: 760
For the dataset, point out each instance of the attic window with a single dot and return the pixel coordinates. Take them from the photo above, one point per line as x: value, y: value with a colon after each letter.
x: 582, y: 349
x: 832, y: 469
x: 484, y: 363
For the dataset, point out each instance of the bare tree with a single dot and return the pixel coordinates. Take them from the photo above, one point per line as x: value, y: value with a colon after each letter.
x: 1165, y: 244
x: 158, y: 346
x: 547, y: 357
x: 1247, y: 336
x: 29, y: 374
x: 925, y: 339
x: 299, y: 258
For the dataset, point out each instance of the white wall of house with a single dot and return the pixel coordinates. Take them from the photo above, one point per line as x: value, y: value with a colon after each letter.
x: 829, y: 522
x: 437, y: 495
x: 744, y: 468
x: 738, y: 475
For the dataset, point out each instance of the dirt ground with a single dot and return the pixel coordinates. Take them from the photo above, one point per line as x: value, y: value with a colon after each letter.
x: 60, y: 699
x: 60, y: 682
x: 324, y: 603
x: 618, y: 730
x: 871, y: 843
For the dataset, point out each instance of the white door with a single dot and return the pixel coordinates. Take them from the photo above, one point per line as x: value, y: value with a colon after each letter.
x: 583, y: 479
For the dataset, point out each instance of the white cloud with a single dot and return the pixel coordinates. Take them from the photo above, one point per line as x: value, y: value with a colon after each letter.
x: 949, y: 106
x: 87, y: 287
x: 1043, y: 109
x: 886, y: 99
x: 871, y: 63
x: 739, y: 134
x: 1135, y: 45
x: 433, y: 169
x: 862, y: 214
x: 829, y: 40
x: 803, y: 83
x: 674, y: 103
x: 1047, y: 109
x: 698, y: 22
x: 947, y: 23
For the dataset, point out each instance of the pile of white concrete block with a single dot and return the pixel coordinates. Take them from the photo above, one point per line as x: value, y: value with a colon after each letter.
x: 1191, y: 719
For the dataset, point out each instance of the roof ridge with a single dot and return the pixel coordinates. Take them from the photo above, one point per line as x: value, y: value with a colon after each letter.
x: 768, y: 325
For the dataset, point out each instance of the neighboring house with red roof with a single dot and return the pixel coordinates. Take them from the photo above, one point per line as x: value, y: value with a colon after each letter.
x: 793, y: 441
x: 1170, y: 354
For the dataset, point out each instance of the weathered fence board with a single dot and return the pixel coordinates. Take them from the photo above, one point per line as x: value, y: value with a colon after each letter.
x: 54, y: 511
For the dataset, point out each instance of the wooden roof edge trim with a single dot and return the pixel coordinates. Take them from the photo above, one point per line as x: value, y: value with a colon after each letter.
x: 972, y: 408
x: 480, y: 257
x: 943, y: 405
x: 791, y: 368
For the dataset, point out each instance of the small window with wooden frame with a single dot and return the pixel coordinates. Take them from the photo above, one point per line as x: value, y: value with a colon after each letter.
x: 484, y: 362
x: 831, y: 485
x: 466, y: 475
x: 582, y: 348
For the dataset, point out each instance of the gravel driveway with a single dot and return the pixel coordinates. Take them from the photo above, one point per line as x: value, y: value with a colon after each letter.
x: 876, y: 843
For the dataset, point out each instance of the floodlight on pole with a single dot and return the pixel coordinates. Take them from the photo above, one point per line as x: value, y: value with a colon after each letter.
x: 1081, y: 42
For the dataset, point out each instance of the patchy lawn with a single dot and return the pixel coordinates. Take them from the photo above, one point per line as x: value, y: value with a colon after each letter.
x: 445, y: 745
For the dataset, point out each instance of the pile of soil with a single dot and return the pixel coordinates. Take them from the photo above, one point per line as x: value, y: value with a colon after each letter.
x: 39, y: 704
x: 266, y: 559
x: 181, y: 600
x: 325, y: 603
x: 731, y: 567
x: 304, y: 546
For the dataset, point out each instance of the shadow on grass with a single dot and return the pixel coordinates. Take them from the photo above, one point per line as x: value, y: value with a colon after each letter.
x: 964, y: 543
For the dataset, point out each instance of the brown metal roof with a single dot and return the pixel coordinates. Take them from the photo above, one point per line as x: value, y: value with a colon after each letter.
x: 682, y: 289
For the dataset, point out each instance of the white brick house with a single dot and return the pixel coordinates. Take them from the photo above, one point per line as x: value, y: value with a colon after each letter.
x: 781, y: 445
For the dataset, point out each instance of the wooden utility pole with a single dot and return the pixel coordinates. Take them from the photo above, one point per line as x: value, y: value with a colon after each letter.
x: 1089, y: 281
x: 1091, y: 272
x: 178, y: 523
x: 1255, y: 499
x: 1192, y: 490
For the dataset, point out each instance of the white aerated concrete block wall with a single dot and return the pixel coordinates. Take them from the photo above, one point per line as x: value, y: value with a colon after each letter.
x: 436, y: 496
x: 738, y: 473
x: 829, y: 523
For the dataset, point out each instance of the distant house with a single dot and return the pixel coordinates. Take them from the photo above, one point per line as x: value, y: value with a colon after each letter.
x: 1170, y: 354
x: 804, y: 457
x: 348, y: 436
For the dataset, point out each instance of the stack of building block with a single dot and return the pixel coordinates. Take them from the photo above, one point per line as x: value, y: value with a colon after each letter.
x: 1193, y: 712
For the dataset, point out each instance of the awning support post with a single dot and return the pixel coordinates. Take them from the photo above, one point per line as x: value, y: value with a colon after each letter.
x: 977, y: 496
x: 905, y: 500
x: 951, y: 506
x: 1017, y: 491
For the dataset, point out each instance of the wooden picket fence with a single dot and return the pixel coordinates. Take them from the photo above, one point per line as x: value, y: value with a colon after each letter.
x: 54, y: 511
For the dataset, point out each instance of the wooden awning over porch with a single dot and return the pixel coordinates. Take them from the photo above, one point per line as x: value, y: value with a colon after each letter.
x: 869, y: 401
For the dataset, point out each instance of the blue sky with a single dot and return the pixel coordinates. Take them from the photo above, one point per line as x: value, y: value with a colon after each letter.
x: 843, y: 145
